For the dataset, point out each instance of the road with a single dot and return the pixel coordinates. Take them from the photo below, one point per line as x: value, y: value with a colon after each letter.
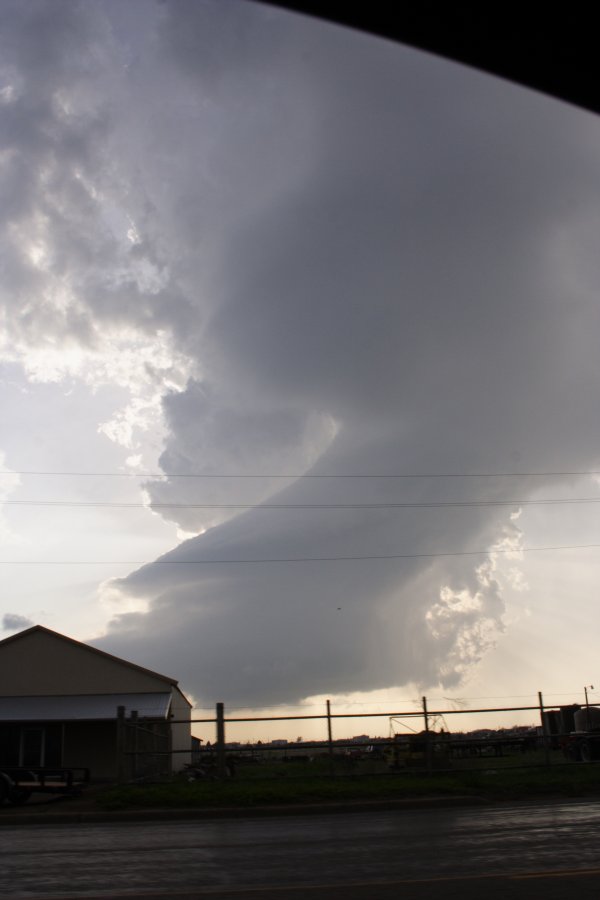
x: 522, y: 851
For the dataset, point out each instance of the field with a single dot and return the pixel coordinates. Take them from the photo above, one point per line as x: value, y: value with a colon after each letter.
x: 292, y: 782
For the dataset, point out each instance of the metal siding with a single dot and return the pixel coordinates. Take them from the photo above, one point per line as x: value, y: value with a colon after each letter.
x: 83, y: 707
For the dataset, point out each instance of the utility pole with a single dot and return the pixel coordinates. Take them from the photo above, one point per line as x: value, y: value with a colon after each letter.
x: 587, y: 704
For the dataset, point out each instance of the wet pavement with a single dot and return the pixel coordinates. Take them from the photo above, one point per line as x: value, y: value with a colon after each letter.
x: 523, y: 850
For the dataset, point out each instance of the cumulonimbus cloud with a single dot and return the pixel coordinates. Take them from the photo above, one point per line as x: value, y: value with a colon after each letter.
x: 354, y: 260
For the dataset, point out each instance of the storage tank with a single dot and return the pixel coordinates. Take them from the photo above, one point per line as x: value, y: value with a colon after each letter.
x: 587, y: 719
x: 567, y: 718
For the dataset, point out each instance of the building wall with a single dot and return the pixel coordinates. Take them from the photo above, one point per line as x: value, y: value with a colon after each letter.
x: 91, y: 745
x: 181, y: 734
x: 42, y: 664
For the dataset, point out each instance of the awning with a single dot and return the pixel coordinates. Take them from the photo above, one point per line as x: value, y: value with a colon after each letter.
x: 82, y: 707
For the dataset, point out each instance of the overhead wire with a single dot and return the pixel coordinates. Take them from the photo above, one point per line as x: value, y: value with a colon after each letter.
x: 301, y: 559
x: 433, y: 504
x: 513, y: 502
x: 303, y: 475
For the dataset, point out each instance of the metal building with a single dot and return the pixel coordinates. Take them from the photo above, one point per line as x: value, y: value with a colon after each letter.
x: 64, y: 703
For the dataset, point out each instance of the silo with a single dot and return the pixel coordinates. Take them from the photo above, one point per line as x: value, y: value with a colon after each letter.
x: 587, y: 719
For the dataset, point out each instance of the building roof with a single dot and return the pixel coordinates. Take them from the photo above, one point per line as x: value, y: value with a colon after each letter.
x: 63, y: 637
x: 83, y: 707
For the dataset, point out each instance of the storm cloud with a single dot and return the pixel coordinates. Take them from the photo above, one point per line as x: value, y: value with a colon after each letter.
x: 327, y: 256
x: 15, y: 622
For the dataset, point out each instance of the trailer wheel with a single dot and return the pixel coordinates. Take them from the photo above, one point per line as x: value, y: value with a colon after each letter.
x: 586, y: 752
x: 17, y: 796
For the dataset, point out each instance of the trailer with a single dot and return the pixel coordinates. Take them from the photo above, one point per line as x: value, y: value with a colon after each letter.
x: 582, y: 746
x: 17, y: 784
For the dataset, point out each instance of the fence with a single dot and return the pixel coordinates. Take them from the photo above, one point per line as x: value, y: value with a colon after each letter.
x: 143, y: 747
x: 145, y: 750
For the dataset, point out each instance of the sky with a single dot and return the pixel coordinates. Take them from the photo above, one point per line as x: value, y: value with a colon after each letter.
x: 298, y: 341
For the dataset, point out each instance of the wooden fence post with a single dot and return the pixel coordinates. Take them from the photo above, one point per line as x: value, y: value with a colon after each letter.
x: 544, y: 729
x: 428, y: 760
x: 120, y: 741
x: 221, y: 760
x: 134, y: 758
x: 330, y: 739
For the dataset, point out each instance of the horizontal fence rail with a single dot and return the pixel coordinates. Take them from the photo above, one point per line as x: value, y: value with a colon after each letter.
x: 146, y: 751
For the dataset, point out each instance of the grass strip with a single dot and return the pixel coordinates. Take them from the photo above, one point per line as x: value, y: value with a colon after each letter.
x: 491, y: 783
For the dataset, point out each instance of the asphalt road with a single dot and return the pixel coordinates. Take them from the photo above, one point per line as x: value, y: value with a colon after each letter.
x: 521, y: 851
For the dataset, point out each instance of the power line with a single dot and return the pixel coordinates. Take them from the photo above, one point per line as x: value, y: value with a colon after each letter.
x: 441, y: 504
x: 296, y: 476
x: 294, y: 559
